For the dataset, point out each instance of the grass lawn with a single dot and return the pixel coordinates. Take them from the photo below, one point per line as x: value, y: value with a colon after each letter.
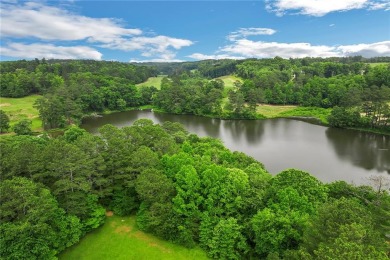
x: 378, y: 63
x: 229, y: 84
x: 152, y: 81
x: 229, y: 81
x: 21, y: 108
x: 271, y: 111
x: 119, y: 238
x: 315, y: 112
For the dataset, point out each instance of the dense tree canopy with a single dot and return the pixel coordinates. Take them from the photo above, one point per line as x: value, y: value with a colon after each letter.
x: 186, y: 189
x: 4, y: 122
x: 358, y: 91
x: 183, y: 188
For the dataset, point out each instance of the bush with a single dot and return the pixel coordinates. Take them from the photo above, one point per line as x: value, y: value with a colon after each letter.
x: 23, y: 127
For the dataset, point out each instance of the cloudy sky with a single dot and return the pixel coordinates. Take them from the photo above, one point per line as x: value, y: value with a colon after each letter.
x: 193, y: 30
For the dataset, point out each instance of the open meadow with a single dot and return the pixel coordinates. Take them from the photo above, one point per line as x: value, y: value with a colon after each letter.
x: 152, y: 81
x: 119, y: 238
x: 22, y: 108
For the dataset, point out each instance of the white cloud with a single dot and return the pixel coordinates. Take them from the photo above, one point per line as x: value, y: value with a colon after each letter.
x: 52, y: 23
x: 323, y: 7
x: 149, y: 45
x: 245, y: 48
x: 156, y: 60
x: 200, y: 56
x: 49, y: 51
x: 245, y: 32
x: 380, y: 4
x: 366, y: 50
x: 259, y: 49
x: 40, y: 22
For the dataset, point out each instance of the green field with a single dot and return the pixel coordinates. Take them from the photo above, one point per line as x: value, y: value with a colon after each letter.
x: 229, y: 81
x: 309, y: 112
x: 152, y: 81
x: 119, y: 238
x: 22, y: 108
x: 271, y: 111
x: 228, y: 85
x: 378, y: 63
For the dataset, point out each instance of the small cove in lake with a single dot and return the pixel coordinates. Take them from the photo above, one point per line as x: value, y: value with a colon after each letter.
x: 328, y: 153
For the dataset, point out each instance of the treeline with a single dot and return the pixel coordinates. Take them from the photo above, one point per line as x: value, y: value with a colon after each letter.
x: 182, y: 188
x: 217, y: 68
x: 74, y: 88
x: 358, y: 91
x: 22, y: 78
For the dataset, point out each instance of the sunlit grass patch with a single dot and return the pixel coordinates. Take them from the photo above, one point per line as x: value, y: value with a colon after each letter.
x: 272, y: 111
x: 22, y: 108
x: 310, y: 112
x: 152, y: 81
x: 378, y: 63
x: 119, y: 238
x: 229, y: 81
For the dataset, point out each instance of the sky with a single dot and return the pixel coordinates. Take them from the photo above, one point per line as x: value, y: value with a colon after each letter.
x: 146, y: 31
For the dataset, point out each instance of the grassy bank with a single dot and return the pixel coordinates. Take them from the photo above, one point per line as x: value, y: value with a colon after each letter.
x: 229, y: 81
x: 377, y: 64
x: 119, y: 238
x: 309, y: 112
x: 152, y: 81
x: 272, y: 111
x: 22, y: 108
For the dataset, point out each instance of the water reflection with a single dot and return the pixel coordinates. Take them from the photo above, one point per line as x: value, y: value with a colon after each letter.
x: 327, y: 153
x: 248, y: 131
x: 365, y: 150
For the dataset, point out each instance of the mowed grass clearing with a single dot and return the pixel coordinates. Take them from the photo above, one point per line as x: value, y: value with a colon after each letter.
x: 378, y: 63
x: 229, y: 81
x: 271, y: 111
x: 22, y: 108
x: 119, y: 239
x: 152, y: 81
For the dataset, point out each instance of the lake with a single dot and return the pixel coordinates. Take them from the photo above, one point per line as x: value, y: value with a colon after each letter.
x: 328, y: 153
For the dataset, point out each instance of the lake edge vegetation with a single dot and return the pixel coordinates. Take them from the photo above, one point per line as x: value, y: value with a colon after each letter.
x: 188, y: 190
x: 340, y: 92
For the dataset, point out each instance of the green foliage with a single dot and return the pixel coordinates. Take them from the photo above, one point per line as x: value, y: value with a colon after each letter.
x: 23, y: 127
x: 227, y: 241
x: 4, y: 122
x: 32, y: 226
x: 73, y: 133
x: 185, y: 189
x: 304, y: 183
x: 347, y: 222
x: 124, y: 201
x: 342, y: 117
x: 190, y: 96
x: 280, y: 226
x: 72, y: 89
x: 350, y: 245
x: 154, y: 186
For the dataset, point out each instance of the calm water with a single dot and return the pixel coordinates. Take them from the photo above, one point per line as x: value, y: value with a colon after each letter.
x: 327, y: 153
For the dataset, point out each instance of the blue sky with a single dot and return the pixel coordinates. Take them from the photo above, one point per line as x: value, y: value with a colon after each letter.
x: 193, y: 30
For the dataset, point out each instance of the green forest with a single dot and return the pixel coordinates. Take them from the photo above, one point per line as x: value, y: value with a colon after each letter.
x: 182, y: 188
x: 355, y: 90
